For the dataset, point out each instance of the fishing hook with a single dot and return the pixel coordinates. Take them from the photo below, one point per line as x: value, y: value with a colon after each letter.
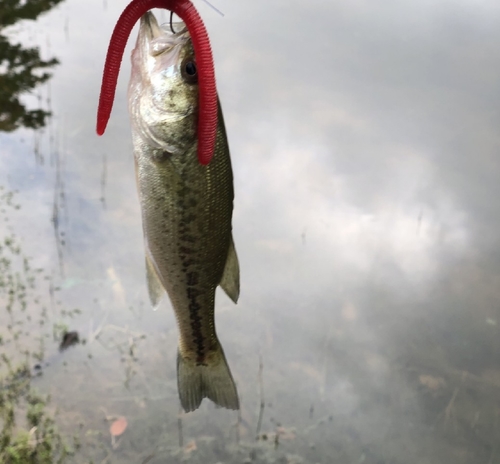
x: 171, y: 25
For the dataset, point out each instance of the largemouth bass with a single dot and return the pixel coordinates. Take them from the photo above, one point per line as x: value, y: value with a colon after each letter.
x: 186, y: 207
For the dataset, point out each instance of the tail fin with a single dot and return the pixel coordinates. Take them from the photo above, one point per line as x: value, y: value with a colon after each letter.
x: 212, y: 380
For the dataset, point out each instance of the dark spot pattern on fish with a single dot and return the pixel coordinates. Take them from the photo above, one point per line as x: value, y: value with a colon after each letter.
x: 189, y: 218
x: 188, y: 251
x: 192, y: 278
x: 188, y: 238
x: 196, y: 324
x: 193, y: 293
x: 187, y: 262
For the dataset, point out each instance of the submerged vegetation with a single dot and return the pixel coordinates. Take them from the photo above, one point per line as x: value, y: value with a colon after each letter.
x: 28, y: 433
x: 27, y: 429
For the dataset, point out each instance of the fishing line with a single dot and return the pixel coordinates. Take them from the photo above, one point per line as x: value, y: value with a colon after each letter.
x: 214, y: 8
x: 207, y: 2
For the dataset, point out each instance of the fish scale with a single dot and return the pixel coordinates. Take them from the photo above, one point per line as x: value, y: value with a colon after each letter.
x: 186, y: 209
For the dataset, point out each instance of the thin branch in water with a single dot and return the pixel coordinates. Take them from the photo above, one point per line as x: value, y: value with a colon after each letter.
x: 179, y: 427
x: 58, y: 204
x: 94, y: 334
x: 148, y: 458
x: 494, y: 447
x: 238, y: 425
x: 103, y: 180
x: 276, y: 439
x: 262, y: 400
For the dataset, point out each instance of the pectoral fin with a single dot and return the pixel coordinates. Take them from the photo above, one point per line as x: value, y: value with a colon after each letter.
x: 155, y: 288
x: 230, y: 281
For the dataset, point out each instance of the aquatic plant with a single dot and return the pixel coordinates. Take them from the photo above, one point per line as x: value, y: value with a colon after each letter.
x: 27, y: 429
x: 28, y: 433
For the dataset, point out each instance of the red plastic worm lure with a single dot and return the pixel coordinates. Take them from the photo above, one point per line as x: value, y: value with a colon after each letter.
x: 207, y: 118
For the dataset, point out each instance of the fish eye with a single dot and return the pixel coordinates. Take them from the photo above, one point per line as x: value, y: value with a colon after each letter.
x: 190, y: 68
x: 189, y: 71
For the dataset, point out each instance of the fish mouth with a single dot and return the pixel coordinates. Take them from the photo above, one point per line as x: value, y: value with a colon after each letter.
x: 159, y: 38
x: 149, y: 28
x: 154, y: 41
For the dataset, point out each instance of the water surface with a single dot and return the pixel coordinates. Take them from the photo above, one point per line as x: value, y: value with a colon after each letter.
x: 364, y: 141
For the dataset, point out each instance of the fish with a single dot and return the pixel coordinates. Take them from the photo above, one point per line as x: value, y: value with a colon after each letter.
x: 186, y: 207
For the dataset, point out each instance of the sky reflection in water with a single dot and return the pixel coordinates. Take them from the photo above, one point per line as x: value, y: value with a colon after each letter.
x: 364, y: 142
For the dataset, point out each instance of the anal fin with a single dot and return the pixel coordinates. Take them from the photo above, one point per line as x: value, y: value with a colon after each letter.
x: 230, y: 281
x: 155, y: 288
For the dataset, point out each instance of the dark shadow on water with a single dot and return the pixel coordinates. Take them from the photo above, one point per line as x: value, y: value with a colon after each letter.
x: 21, y: 68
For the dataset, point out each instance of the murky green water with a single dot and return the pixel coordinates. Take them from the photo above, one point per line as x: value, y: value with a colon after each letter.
x: 365, y: 145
